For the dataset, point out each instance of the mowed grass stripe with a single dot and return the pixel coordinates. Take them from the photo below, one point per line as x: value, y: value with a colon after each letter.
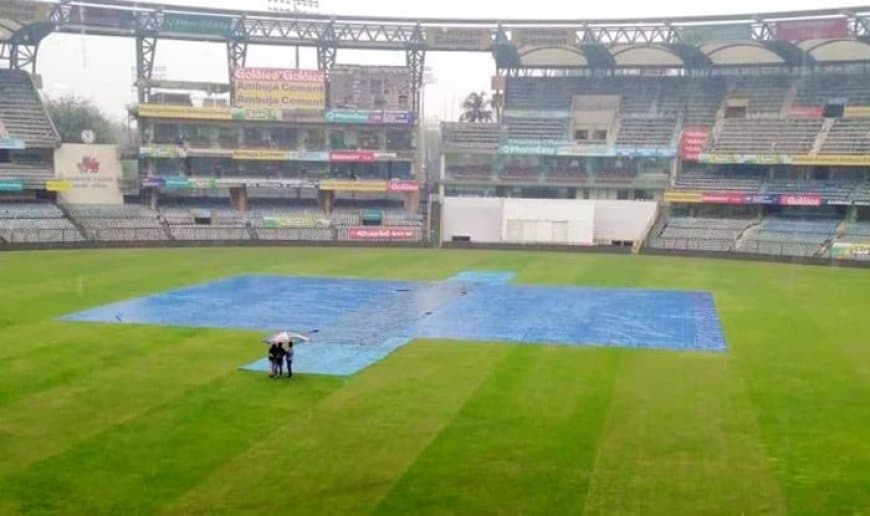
x: 681, y: 439
x: 346, y: 453
x: 143, y: 464
x: 523, y: 444
x: 69, y: 351
x: 51, y: 421
x: 810, y: 393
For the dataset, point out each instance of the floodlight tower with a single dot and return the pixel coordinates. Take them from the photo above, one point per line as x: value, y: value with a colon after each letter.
x: 294, y: 7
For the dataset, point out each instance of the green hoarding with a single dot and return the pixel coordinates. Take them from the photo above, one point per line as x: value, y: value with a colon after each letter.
x: 198, y: 25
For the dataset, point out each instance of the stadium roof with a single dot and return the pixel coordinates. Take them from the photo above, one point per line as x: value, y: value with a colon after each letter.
x: 787, y: 38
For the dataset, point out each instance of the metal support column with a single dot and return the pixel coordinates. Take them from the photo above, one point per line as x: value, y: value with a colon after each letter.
x: 327, y: 50
x: 147, y: 27
x: 415, y: 59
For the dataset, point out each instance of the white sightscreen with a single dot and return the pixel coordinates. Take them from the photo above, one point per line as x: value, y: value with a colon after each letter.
x: 479, y: 218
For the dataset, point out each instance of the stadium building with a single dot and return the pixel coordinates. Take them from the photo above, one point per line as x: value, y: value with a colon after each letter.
x: 733, y: 134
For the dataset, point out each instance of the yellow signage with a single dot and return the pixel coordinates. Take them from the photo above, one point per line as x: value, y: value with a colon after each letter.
x: 459, y: 38
x: 260, y: 154
x: 354, y: 186
x: 688, y: 197
x: 830, y: 160
x: 23, y: 11
x: 57, y: 186
x: 857, y: 112
x: 190, y: 112
x: 278, y: 88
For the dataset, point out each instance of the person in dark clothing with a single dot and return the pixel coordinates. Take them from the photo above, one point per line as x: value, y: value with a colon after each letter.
x: 288, y: 355
x: 276, y: 360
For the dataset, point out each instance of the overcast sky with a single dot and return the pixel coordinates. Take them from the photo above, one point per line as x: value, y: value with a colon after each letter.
x: 102, y: 69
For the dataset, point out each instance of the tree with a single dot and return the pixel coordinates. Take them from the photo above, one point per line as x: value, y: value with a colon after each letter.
x: 476, y: 108
x: 72, y: 115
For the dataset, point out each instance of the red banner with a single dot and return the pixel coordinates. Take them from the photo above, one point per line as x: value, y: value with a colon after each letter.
x: 352, y: 156
x: 800, y: 200
x: 723, y: 198
x: 692, y: 142
x: 802, y: 30
x: 402, y: 186
x: 396, y: 234
x: 806, y: 111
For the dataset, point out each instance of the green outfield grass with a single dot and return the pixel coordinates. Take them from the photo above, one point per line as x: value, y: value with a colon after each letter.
x: 111, y: 419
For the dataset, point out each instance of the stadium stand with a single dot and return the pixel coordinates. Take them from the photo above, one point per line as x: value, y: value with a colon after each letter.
x: 763, y: 93
x: 536, y: 129
x: 700, y: 234
x: 720, y: 180
x: 113, y: 223
x: 22, y: 112
x: 646, y: 132
x: 766, y: 136
x: 36, y: 222
x: 787, y: 235
x: 848, y: 136
x: 819, y: 89
x: 856, y: 231
x: 471, y: 135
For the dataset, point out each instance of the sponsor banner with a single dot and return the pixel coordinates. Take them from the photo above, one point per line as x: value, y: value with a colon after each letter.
x: 279, y: 88
x: 544, y: 37
x: 102, y: 17
x: 458, y: 38
x: 722, y: 198
x: 176, y: 183
x: 752, y: 159
x: 351, y: 116
x: 800, y: 200
x: 765, y: 199
x: 200, y: 25
x: 93, y: 172
x: 830, y: 160
x: 548, y: 114
x: 56, y: 185
x: 12, y: 144
x: 572, y: 149
x: 11, y: 185
x: 806, y: 111
x: 686, y: 197
x: 528, y: 149
x: 646, y: 152
x: 257, y: 115
x: 856, y: 112
x: 208, y: 153
x: 262, y: 155
x: 25, y: 12
x: 802, y: 30
x: 352, y: 157
x: 698, y: 35
x: 692, y: 142
x: 153, y: 182
x: 383, y: 233
x: 850, y: 251
x: 312, y: 156
x: 353, y: 186
x: 209, y: 183
x: 298, y: 221
x: 189, y: 112
x: 162, y: 151
x: 264, y: 183
x: 402, y: 186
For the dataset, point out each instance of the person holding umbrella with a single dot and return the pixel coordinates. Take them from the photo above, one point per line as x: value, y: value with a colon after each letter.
x: 288, y: 355
x: 276, y: 359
